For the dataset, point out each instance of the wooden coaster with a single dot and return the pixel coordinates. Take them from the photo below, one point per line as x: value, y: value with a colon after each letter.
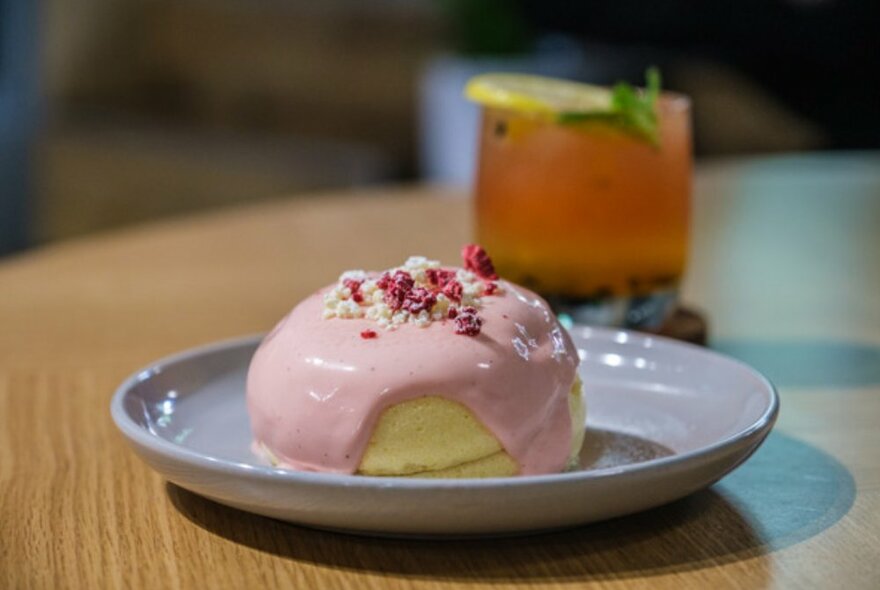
x: 688, y: 325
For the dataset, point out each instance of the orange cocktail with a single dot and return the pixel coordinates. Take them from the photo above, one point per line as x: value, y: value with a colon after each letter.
x: 588, y: 214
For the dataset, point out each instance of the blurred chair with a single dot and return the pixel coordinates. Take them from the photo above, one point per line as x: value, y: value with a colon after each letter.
x: 160, y: 107
x: 101, y: 175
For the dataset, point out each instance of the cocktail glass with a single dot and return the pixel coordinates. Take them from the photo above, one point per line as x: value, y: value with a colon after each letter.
x: 588, y: 214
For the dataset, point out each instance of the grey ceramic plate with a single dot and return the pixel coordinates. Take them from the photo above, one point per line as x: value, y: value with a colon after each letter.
x: 664, y: 419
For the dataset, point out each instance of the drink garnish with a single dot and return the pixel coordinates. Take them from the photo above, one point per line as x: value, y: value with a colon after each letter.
x: 632, y: 109
x: 566, y: 102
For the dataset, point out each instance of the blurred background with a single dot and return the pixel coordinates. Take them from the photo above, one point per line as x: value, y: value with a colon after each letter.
x: 113, y: 112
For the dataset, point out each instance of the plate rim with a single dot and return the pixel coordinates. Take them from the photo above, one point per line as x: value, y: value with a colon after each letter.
x: 143, y: 438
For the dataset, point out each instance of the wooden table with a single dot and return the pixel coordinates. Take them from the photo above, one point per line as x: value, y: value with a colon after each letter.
x: 786, y: 261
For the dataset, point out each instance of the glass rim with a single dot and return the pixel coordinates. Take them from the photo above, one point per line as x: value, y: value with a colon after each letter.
x: 668, y: 99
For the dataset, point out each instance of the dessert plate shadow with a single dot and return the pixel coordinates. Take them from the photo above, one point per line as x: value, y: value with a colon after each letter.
x: 664, y: 419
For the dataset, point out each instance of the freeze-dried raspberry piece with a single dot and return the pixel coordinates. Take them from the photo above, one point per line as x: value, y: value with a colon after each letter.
x: 453, y: 291
x: 400, y: 278
x: 452, y: 313
x: 419, y: 299
x: 403, y: 279
x: 394, y: 297
x: 490, y: 288
x: 397, y: 287
x: 467, y: 322
x: 384, y: 281
x: 368, y: 334
x: 477, y: 261
x: 354, y: 286
x: 439, y: 277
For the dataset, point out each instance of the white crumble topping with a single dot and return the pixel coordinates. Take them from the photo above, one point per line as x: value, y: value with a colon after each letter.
x: 473, y: 287
x: 357, y: 294
x: 416, y: 266
x: 349, y: 309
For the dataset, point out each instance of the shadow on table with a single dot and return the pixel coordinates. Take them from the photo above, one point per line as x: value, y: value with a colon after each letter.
x: 787, y: 492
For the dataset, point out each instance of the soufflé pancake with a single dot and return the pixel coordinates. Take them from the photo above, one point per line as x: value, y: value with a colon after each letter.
x: 422, y: 371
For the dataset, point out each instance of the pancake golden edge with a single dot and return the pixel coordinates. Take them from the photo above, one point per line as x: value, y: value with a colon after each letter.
x: 434, y: 437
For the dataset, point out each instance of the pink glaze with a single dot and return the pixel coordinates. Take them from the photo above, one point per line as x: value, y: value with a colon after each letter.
x: 315, y: 388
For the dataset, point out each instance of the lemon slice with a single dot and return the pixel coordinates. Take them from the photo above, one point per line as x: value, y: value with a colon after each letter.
x: 568, y: 103
x: 538, y: 94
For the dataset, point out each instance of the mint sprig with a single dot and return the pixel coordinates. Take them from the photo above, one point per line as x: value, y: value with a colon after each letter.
x: 632, y: 110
